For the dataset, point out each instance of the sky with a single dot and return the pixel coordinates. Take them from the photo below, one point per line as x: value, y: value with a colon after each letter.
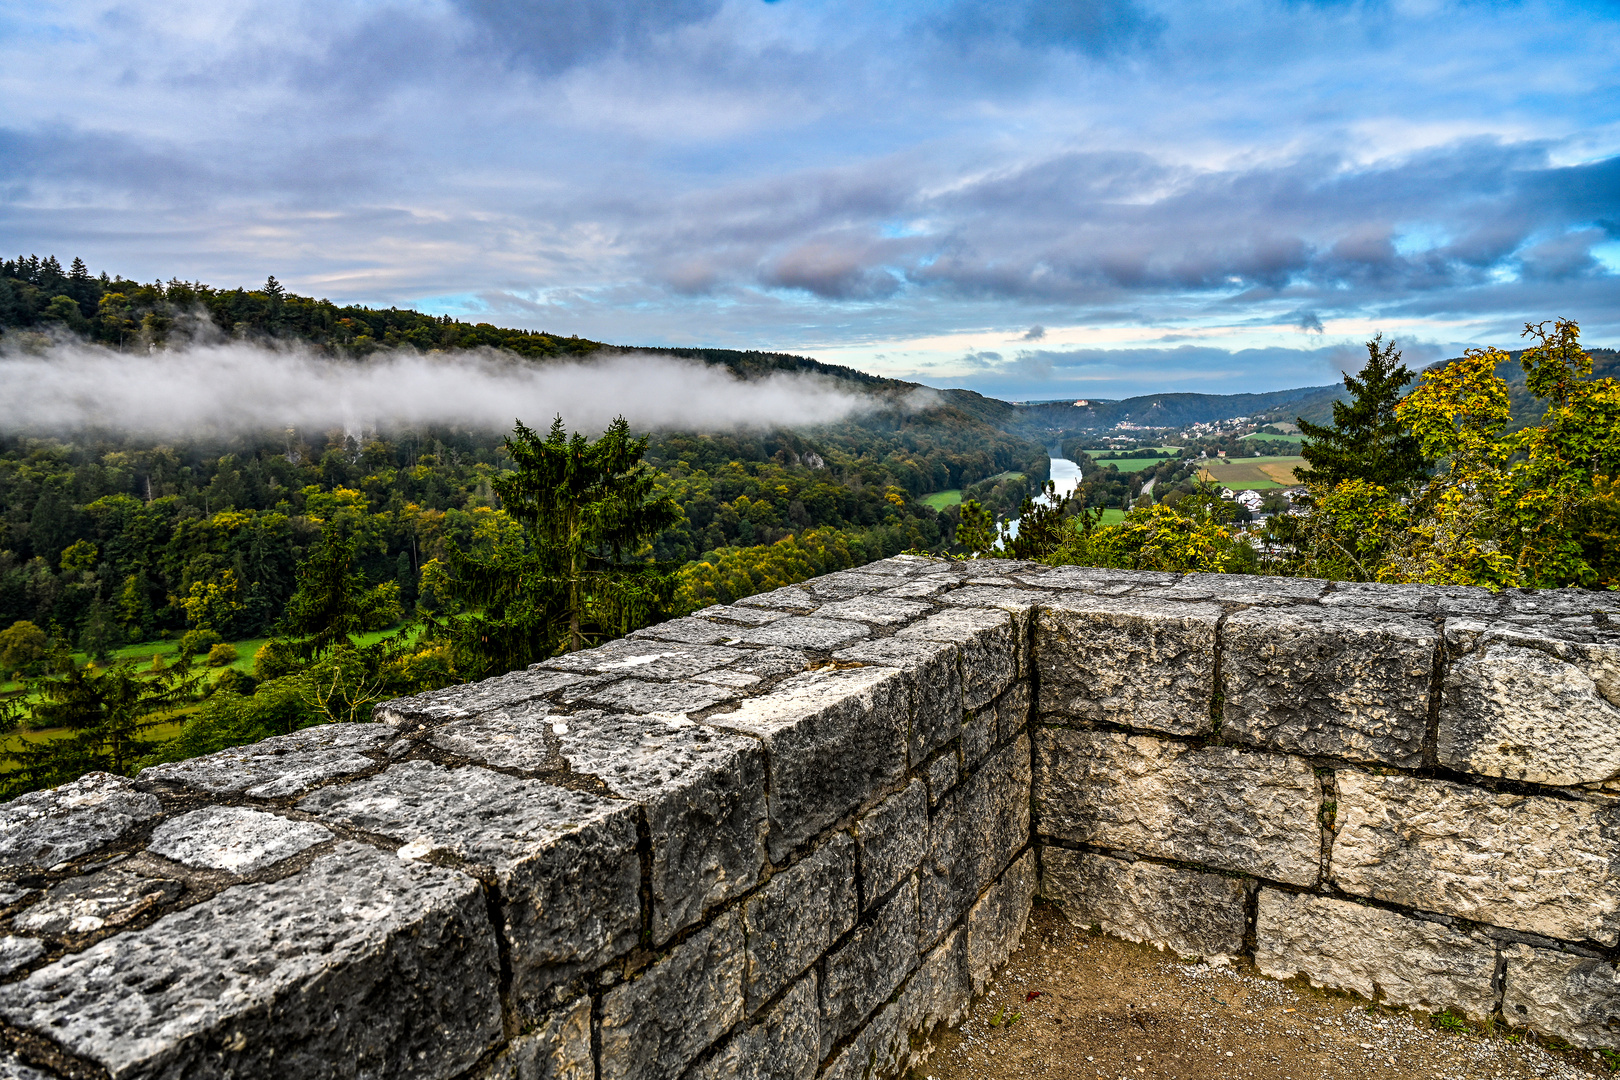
x: 1035, y: 199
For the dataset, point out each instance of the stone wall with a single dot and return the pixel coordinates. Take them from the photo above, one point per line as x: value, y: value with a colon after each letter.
x: 792, y: 836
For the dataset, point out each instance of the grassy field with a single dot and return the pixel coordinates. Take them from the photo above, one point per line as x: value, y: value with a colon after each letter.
x: 1131, y: 465
x: 1268, y: 438
x: 939, y: 500
x: 1252, y: 474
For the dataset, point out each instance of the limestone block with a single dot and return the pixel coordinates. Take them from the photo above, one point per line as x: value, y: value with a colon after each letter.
x: 105, y: 899
x: 17, y: 952
x: 1572, y: 997
x: 848, y: 583
x: 788, y: 598
x: 249, y: 983
x: 454, y: 702
x: 1018, y: 601
x: 40, y: 829
x: 748, y: 616
x: 13, y: 1068
x: 784, y: 1044
x: 933, y: 680
x: 1379, y: 954
x: 1138, y: 661
x: 277, y: 768
x: 996, y: 922
x: 564, y: 861
x: 1189, y: 912
x: 936, y: 993
x: 1562, y: 603
x: 877, y: 610
x: 704, y: 792
x: 920, y: 588
x: 796, y: 917
x: 1012, y: 710
x: 991, y: 646
x: 862, y: 972
x: 1525, y: 704
x: 975, y: 833
x: 1420, y: 599
x: 836, y: 740
x: 1336, y: 683
x: 557, y: 1048
x: 690, y: 630
x: 1247, y: 811
x: 978, y: 734
x: 1528, y: 862
x: 1091, y: 579
x: 892, y: 839
x: 234, y: 839
x: 653, y: 1026
x: 1246, y: 588
x: 645, y: 659
x: 804, y: 632
x: 943, y: 773
x: 641, y: 696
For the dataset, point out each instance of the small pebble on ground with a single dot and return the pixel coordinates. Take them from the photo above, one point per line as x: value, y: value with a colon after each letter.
x: 1072, y: 1003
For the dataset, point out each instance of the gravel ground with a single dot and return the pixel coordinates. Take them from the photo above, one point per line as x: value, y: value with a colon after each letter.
x: 1075, y: 1004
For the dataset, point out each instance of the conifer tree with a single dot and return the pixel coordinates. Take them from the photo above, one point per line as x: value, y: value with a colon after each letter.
x: 1366, y: 442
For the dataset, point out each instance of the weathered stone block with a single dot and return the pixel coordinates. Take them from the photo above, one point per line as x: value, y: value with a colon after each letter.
x: 1528, y: 862
x: 975, y: 833
x: 234, y: 839
x: 877, y: 610
x: 804, y: 632
x: 1246, y: 588
x: 1092, y: 579
x: 85, y: 905
x: 689, y: 630
x: 892, y: 839
x: 43, y: 828
x: 789, y: 597
x: 454, y: 702
x: 748, y: 616
x: 990, y: 643
x: 1572, y: 997
x: 784, y: 1044
x: 360, y: 965
x: 943, y: 773
x: 655, y: 1025
x: 1379, y: 954
x: 1529, y: 706
x: 644, y: 659
x: 863, y: 971
x: 1421, y: 599
x: 1189, y: 912
x: 978, y: 734
x: 1348, y: 683
x: 836, y: 740
x: 13, y: 1068
x: 641, y: 696
x: 889, y: 1043
x: 703, y: 791
x: 564, y: 861
x: 1248, y: 811
x: 1012, y: 710
x: 558, y: 1048
x: 796, y: 917
x: 933, y: 680
x: 996, y: 922
x: 1138, y: 661
x: 278, y: 768
x: 16, y: 952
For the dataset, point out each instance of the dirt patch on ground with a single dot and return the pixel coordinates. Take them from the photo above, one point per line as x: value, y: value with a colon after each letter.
x: 1110, y: 1009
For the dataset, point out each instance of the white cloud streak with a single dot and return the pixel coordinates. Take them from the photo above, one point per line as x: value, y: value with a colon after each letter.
x: 237, y: 387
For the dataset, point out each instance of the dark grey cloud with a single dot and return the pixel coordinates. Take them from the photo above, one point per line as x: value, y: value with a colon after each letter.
x: 554, y: 35
x: 1095, y: 28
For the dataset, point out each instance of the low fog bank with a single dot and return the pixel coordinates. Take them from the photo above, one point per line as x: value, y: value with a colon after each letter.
x: 234, y: 387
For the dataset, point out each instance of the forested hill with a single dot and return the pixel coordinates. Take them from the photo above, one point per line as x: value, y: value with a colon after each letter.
x: 1177, y: 410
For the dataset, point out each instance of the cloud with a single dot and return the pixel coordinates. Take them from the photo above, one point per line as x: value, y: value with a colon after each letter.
x: 1308, y: 322
x: 1034, y: 333
x: 236, y: 387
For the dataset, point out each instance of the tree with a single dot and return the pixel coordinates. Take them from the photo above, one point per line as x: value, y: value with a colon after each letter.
x: 570, y: 573
x: 976, y: 529
x: 1190, y: 535
x: 105, y: 717
x: 1367, y: 440
x: 22, y: 647
x: 334, y: 602
x: 1041, y: 525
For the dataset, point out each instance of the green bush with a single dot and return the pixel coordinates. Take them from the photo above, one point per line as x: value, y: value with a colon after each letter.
x: 222, y: 654
x: 198, y: 642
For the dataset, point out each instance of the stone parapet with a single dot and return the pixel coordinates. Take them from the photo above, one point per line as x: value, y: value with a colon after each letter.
x: 792, y: 835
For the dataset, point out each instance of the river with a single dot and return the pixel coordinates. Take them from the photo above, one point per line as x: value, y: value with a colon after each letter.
x: 1065, y: 476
